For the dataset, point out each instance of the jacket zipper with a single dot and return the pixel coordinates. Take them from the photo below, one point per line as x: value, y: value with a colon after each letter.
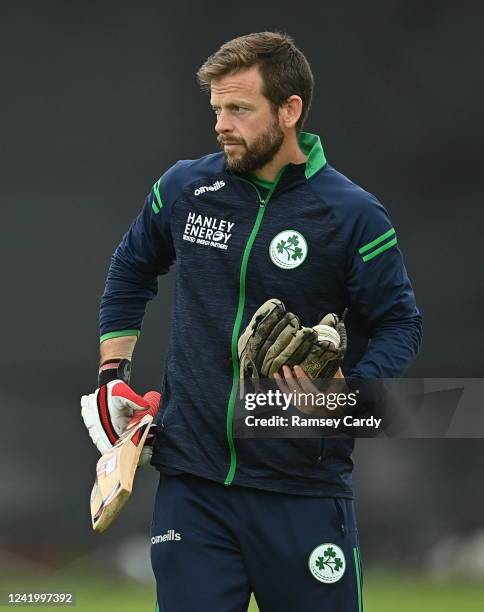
x: 238, y: 321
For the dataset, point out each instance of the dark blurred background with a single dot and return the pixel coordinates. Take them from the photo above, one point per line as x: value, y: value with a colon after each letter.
x: 98, y: 100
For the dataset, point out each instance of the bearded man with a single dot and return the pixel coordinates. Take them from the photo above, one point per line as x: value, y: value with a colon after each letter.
x: 267, y: 217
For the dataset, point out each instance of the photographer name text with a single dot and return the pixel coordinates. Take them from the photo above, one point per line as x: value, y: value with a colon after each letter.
x: 282, y: 401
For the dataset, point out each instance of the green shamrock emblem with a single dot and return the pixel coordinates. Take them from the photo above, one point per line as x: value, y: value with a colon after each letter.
x: 329, y: 560
x: 320, y: 563
x: 280, y: 246
x: 291, y: 247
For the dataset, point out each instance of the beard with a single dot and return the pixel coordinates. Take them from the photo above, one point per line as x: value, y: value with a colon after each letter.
x: 256, y: 155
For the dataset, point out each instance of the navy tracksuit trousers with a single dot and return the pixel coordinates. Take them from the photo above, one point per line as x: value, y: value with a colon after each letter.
x: 212, y: 545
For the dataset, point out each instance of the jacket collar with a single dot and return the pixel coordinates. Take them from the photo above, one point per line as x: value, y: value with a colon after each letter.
x: 311, y: 146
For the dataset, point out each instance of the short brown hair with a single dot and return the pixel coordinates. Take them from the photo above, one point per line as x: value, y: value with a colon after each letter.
x: 284, y: 69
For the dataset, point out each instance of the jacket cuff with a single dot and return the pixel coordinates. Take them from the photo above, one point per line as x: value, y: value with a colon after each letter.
x: 119, y: 334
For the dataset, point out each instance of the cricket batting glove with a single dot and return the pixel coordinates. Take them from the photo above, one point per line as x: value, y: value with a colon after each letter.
x: 108, y: 410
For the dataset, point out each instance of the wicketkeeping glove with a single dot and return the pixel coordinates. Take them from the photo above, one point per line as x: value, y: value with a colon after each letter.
x: 275, y: 338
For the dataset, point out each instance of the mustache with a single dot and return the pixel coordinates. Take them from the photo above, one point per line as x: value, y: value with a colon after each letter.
x: 223, y: 141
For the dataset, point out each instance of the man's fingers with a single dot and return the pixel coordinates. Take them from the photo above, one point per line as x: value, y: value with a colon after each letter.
x: 304, y: 380
x: 281, y: 384
x: 289, y: 378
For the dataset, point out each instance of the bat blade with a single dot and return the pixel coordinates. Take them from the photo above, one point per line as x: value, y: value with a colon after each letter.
x: 116, y: 469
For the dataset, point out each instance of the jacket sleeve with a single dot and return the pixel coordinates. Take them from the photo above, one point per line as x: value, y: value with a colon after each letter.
x: 145, y: 252
x: 380, y: 291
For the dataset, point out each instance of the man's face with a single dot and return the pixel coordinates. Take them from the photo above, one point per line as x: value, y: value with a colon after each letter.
x: 247, y: 126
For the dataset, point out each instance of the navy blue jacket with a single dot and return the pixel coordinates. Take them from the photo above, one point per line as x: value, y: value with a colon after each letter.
x: 225, y: 234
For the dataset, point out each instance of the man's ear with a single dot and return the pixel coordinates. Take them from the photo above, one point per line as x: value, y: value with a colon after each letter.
x: 290, y: 111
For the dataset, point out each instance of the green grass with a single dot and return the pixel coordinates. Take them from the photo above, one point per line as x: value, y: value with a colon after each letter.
x: 390, y: 592
x: 407, y: 593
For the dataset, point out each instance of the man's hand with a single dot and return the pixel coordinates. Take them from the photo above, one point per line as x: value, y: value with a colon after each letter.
x: 296, y: 381
x: 107, y: 411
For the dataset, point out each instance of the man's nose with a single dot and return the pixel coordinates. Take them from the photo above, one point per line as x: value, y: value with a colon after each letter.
x: 223, y: 125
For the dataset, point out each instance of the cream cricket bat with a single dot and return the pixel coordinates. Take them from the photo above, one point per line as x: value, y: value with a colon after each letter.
x: 116, y: 469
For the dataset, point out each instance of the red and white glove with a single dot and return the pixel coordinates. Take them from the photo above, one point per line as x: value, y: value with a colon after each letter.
x: 108, y: 410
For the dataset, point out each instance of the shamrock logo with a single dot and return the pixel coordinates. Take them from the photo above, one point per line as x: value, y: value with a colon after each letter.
x: 330, y: 560
x: 290, y: 247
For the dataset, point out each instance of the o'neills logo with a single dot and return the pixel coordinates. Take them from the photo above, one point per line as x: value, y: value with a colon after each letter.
x: 215, y: 187
x: 208, y: 231
x: 170, y: 536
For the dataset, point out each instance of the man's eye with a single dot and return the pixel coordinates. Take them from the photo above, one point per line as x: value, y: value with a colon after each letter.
x: 233, y: 109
